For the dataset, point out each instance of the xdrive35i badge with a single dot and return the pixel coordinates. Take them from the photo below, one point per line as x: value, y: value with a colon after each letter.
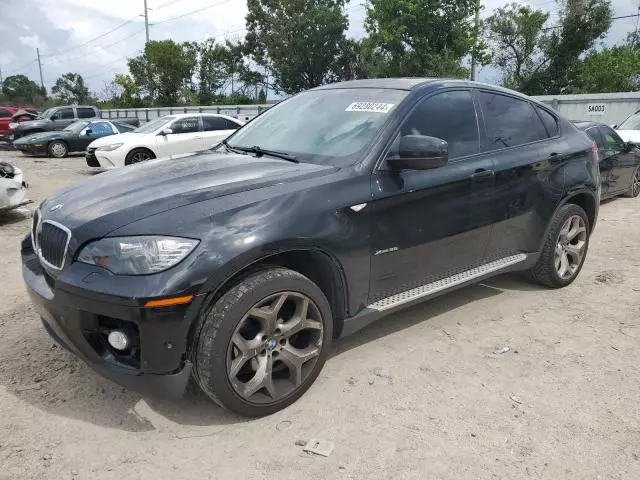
x: 56, y: 207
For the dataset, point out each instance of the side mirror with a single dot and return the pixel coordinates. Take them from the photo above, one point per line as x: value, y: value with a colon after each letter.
x: 420, y: 152
x: 614, y: 126
x: 166, y: 131
x: 88, y: 132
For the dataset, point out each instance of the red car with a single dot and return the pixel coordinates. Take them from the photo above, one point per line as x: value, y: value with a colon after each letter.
x: 6, y: 114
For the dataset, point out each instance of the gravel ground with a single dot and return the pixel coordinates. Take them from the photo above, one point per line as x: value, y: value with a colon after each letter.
x: 420, y: 394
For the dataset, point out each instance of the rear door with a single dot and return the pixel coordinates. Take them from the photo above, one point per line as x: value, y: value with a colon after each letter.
x: 186, y: 137
x: 93, y: 131
x: 215, y: 129
x: 521, y: 146
x: 86, y: 113
x: 63, y: 118
x: 620, y: 160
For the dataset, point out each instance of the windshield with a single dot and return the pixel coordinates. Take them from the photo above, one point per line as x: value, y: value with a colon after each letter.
x: 631, y: 123
x: 76, y: 127
x: 153, y: 125
x: 322, y: 126
x: 47, y: 113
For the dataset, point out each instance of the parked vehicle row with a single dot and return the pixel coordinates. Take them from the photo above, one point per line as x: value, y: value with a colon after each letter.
x: 9, y: 115
x: 239, y: 267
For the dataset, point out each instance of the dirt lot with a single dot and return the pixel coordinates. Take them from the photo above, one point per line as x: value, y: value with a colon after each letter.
x: 420, y: 394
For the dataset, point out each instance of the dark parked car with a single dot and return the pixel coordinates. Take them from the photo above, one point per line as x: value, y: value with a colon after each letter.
x: 331, y: 209
x: 59, y: 118
x: 75, y: 138
x: 619, y: 161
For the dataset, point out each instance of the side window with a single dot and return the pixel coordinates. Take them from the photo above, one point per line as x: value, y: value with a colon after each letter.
x: 612, y: 141
x: 100, y: 128
x: 594, y: 134
x: 64, y: 114
x: 211, y: 123
x: 5, y: 113
x: 550, y: 122
x: 450, y: 116
x: 123, y: 128
x: 185, y: 125
x: 86, y: 112
x: 509, y: 121
x: 231, y: 125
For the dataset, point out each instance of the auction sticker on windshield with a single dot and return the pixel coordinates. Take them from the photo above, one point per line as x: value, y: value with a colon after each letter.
x: 369, y: 107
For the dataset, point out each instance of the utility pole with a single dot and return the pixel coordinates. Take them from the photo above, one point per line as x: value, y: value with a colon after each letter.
x: 476, y: 28
x: 40, y: 67
x: 146, y: 20
x: 0, y: 75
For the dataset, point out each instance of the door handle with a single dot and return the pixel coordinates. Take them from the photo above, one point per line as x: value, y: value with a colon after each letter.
x: 482, y: 174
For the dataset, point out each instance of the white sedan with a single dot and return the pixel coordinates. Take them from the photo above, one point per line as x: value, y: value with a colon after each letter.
x: 629, y: 130
x: 166, y: 137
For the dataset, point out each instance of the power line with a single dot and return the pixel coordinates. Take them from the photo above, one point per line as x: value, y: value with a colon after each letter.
x: 612, y: 19
x: 166, y: 4
x: 190, y: 13
x: 92, y: 40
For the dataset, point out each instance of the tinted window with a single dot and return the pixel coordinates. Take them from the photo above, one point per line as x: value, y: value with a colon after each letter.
x: 86, y: 112
x: 612, y: 141
x: 210, y: 123
x: 509, y: 121
x: 185, y: 125
x: 231, y: 125
x: 64, y: 114
x: 594, y: 134
x: 4, y: 113
x: 123, y: 128
x: 550, y: 122
x: 449, y: 116
x: 100, y: 128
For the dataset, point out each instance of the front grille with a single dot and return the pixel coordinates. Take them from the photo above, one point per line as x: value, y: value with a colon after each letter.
x: 34, y: 227
x: 91, y: 159
x: 52, y: 242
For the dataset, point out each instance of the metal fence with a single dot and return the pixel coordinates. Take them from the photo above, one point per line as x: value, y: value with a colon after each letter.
x: 241, y: 112
x: 610, y: 108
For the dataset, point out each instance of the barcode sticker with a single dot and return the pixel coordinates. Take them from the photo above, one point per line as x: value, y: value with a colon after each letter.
x: 369, y: 107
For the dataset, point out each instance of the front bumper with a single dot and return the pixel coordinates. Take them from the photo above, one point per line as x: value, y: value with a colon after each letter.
x: 39, y: 149
x: 77, y: 318
x: 91, y: 159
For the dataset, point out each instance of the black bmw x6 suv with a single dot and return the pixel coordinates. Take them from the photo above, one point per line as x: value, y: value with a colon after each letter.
x: 239, y: 266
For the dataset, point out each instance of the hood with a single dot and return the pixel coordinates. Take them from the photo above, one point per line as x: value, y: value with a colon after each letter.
x: 632, y: 136
x: 34, y: 124
x: 43, y: 137
x: 116, y: 198
x: 24, y: 114
x: 108, y: 140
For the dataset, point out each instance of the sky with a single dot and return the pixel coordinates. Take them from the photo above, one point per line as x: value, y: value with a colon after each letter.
x: 95, y: 38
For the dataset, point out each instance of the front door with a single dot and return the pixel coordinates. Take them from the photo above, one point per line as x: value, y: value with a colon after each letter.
x: 63, y: 118
x: 605, y: 167
x: 185, y: 138
x: 617, y: 159
x: 93, y: 131
x: 430, y: 224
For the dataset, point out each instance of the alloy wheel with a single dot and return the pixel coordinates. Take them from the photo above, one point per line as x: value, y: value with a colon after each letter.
x: 570, y: 247
x: 274, y: 347
x: 140, y: 157
x: 58, y: 150
x: 635, y: 186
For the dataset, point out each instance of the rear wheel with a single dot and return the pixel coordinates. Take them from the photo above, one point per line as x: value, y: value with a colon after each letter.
x: 139, y: 155
x: 58, y: 149
x: 264, y: 342
x: 565, y: 248
x: 634, y: 188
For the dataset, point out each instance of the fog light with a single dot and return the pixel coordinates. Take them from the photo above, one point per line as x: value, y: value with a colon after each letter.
x: 118, y: 340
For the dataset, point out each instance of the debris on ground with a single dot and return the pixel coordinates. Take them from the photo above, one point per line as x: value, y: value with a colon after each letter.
x: 501, y: 350
x: 319, y: 447
x: 301, y: 443
x: 381, y: 372
x: 284, y: 425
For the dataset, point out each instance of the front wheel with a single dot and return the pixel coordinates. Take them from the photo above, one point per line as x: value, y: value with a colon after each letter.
x: 58, y: 149
x: 634, y: 188
x: 565, y: 248
x: 138, y: 155
x: 263, y: 343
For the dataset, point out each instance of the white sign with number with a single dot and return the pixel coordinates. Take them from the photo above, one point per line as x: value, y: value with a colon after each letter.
x: 596, y: 109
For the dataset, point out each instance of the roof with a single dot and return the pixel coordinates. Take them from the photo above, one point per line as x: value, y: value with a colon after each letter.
x: 584, y: 124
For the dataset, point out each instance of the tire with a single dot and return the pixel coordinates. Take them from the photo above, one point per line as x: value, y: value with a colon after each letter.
x: 634, y: 188
x: 547, y: 272
x: 58, y: 149
x: 216, y: 351
x: 138, y: 155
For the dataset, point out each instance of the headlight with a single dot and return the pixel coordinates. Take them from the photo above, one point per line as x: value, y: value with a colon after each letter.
x: 111, y: 146
x: 13, y: 125
x: 137, y: 255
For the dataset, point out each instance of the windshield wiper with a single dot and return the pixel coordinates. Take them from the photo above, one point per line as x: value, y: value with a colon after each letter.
x: 261, y: 151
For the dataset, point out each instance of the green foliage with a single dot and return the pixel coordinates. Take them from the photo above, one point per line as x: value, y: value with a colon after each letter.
x: 19, y: 90
x: 164, y: 70
x: 517, y: 42
x: 70, y: 88
x: 300, y: 41
x: 418, y: 37
x: 615, y: 69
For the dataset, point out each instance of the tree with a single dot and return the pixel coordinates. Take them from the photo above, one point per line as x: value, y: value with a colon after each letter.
x: 299, y: 41
x: 164, y: 70
x: 517, y: 41
x: 615, y: 69
x: 20, y: 90
x: 418, y: 37
x: 70, y: 88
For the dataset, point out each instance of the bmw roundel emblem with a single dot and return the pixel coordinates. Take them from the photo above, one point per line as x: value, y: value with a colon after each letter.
x: 56, y: 207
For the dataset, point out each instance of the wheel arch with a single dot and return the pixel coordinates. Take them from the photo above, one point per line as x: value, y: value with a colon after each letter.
x: 320, y: 266
x: 141, y: 147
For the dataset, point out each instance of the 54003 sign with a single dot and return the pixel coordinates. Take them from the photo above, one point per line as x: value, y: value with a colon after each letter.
x: 596, y: 109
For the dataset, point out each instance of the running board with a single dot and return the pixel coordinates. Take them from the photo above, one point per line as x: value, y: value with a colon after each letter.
x: 429, y: 289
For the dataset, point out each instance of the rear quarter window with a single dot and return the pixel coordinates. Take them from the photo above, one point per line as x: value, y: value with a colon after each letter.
x: 550, y: 122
